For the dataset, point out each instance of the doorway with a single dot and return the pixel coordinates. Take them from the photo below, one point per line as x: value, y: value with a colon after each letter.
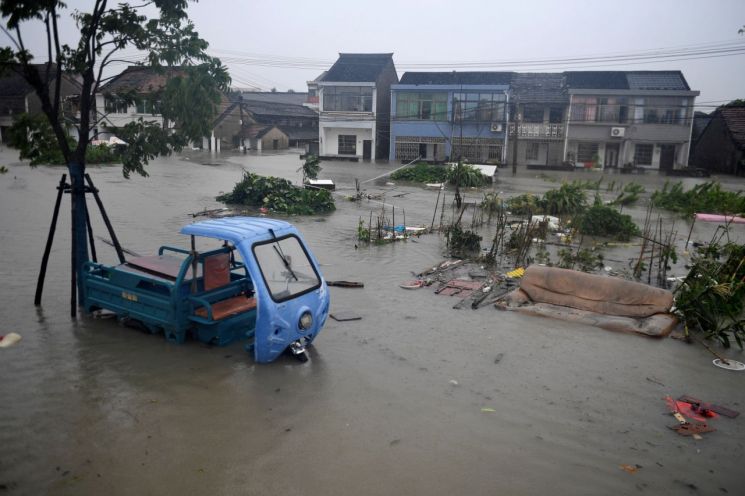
x: 667, y: 157
x: 611, y: 155
x: 366, y: 149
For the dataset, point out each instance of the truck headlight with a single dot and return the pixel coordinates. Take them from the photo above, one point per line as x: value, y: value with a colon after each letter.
x: 306, y: 321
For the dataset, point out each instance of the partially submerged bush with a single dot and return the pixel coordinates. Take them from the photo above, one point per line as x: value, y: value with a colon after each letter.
x: 279, y: 195
x: 466, y: 176
x: 629, y: 194
x: 462, y: 241
x: 708, y: 197
x: 526, y: 204
x: 711, y: 299
x: 569, y: 199
x: 603, y: 220
x: 422, y: 172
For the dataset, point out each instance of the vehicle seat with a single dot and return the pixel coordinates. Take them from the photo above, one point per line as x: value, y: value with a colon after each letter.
x: 216, y: 271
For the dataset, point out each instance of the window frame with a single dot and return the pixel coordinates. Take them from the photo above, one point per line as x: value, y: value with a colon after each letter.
x: 345, y: 137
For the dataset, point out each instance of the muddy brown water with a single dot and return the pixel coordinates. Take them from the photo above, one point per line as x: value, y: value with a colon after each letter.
x: 390, y: 404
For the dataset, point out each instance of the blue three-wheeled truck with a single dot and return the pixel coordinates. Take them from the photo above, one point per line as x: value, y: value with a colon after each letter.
x: 261, y: 284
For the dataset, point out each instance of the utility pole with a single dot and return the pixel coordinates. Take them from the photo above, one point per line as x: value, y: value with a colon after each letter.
x: 516, y: 113
x: 458, y: 169
x: 243, y: 138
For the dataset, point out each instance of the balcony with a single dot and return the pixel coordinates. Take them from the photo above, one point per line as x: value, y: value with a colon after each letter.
x: 537, y: 131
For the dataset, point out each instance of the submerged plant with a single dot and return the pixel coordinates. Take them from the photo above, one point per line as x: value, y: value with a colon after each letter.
x: 466, y: 176
x: 708, y: 197
x: 421, y: 172
x: 279, y: 195
x: 462, y: 241
x: 711, y: 299
x: 604, y: 220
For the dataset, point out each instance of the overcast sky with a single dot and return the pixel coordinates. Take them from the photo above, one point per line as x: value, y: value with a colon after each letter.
x: 283, y: 44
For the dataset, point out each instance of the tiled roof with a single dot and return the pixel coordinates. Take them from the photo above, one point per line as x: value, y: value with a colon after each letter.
x: 734, y: 118
x: 627, y: 80
x: 137, y: 78
x: 12, y: 83
x: 274, y: 109
x: 275, y: 97
x: 539, y: 87
x: 358, y: 67
x: 257, y: 131
x: 300, y: 133
x: 657, y: 80
x: 700, y: 121
x: 454, y: 77
x: 610, y: 80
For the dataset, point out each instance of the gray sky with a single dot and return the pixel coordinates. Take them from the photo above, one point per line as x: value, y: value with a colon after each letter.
x: 283, y: 44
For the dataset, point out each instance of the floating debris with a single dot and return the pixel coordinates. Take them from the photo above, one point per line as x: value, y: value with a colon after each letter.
x: 9, y: 340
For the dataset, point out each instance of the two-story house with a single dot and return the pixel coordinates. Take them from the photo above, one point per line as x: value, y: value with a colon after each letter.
x: 354, y: 102
x: 141, y: 85
x: 440, y: 116
x: 538, y: 119
x: 629, y: 118
x: 18, y: 97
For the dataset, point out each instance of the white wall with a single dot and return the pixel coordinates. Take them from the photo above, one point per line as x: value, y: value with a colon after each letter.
x: 329, y: 136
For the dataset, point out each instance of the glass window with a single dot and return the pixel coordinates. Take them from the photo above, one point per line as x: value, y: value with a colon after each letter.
x: 643, y: 154
x: 531, y: 151
x: 556, y: 115
x: 286, y: 268
x: 584, y: 108
x: 587, y: 152
x: 533, y: 113
x: 478, y: 107
x: 347, y: 98
x: 114, y: 105
x: 347, y: 144
x: 422, y: 106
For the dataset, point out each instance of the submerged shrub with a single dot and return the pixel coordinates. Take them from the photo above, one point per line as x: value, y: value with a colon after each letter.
x: 422, y: 172
x: 466, y: 176
x: 708, y: 197
x: 603, y: 220
x: 279, y: 195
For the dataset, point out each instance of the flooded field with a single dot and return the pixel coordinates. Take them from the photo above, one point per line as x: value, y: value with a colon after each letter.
x: 414, y: 398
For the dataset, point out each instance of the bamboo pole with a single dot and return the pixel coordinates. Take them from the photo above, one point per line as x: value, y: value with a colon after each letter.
x: 50, y: 240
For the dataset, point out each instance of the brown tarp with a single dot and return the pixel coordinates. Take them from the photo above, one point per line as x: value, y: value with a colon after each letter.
x: 606, y: 302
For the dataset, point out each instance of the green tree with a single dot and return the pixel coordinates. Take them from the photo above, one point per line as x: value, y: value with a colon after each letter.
x: 170, y: 44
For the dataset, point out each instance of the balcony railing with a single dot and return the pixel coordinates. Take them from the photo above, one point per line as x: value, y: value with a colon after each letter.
x: 540, y: 131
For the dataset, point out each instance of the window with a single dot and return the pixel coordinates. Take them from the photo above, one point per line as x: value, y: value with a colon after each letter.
x: 584, y: 108
x: 478, y: 107
x: 643, y: 154
x: 531, y: 151
x: 663, y: 110
x: 347, y: 144
x: 147, y: 105
x: 347, y: 98
x: 533, y: 113
x: 587, y: 152
x: 286, y: 268
x: 114, y: 105
x: 422, y: 106
x: 556, y: 115
x: 612, y: 109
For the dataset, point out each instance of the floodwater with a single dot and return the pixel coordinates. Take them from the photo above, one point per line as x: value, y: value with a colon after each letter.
x: 390, y: 404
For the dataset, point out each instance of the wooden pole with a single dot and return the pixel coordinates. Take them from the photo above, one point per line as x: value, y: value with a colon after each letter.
x: 117, y: 246
x: 90, y: 235
x: 50, y: 240
x: 434, y: 214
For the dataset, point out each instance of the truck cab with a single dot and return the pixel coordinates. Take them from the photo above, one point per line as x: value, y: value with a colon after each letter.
x: 261, y: 285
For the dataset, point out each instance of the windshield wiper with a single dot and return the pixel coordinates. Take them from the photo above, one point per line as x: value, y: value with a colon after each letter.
x: 278, y: 250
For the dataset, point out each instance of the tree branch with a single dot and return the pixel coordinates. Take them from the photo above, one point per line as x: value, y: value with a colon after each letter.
x: 58, y: 78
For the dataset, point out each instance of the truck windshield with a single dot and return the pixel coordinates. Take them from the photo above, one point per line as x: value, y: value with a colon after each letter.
x: 286, y: 268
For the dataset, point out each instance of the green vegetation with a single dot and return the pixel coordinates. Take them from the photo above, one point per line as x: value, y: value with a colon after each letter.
x: 569, y: 199
x: 3, y: 169
x: 462, y: 241
x: 311, y: 167
x: 278, y: 195
x: 708, y: 197
x: 586, y: 259
x: 629, y: 194
x: 711, y: 299
x: 526, y: 204
x: 421, y: 172
x: 604, y: 220
x: 35, y: 140
x: 466, y: 176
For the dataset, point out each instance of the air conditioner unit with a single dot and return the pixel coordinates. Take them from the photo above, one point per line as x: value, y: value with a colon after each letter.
x: 617, y: 132
x: 496, y: 127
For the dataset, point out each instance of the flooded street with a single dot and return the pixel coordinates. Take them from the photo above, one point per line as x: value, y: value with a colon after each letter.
x: 390, y: 404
